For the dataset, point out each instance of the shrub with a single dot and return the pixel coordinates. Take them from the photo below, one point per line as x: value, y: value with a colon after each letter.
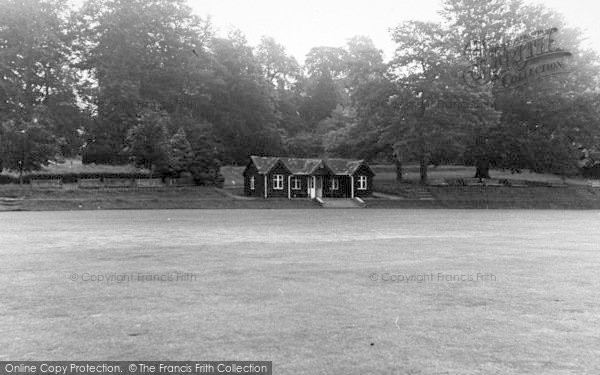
x: 591, y: 172
x: 71, y: 178
x: 456, y: 182
x: 219, y: 180
x: 6, y: 179
x: 538, y: 183
x: 102, y: 154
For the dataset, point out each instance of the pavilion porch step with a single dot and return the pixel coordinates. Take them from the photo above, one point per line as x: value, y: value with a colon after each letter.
x: 340, y: 203
x: 419, y: 193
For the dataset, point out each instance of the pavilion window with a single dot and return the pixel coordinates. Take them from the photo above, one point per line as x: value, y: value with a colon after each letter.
x: 362, y: 182
x: 335, y: 183
x: 278, y: 182
x: 296, y: 183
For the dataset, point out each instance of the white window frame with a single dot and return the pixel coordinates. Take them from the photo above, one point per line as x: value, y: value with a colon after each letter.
x: 277, y: 182
x: 252, y: 183
x: 296, y: 183
x: 335, y: 183
x: 362, y: 182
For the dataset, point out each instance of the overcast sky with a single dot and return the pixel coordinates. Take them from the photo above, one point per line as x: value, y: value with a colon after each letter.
x: 302, y: 24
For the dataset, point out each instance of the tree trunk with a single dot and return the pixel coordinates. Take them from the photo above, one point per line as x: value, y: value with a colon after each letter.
x: 22, y: 161
x: 398, y: 164
x: 423, y: 169
x: 482, y: 169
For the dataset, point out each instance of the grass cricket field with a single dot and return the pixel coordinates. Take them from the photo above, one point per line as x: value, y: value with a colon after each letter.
x: 314, y: 291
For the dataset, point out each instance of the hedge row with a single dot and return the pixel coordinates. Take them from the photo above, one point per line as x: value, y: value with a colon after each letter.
x: 501, y: 181
x: 71, y: 178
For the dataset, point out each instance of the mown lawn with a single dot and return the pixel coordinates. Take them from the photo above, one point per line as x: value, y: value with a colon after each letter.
x: 307, y: 289
x: 411, y: 174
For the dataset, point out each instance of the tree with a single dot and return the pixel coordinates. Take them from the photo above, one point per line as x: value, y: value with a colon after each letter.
x: 26, y: 146
x: 137, y: 51
x: 181, y: 153
x: 546, y: 133
x: 279, y: 69
x: 148, y: 141
x: 363, y: 64
x: 432, y: 108
x: 284, y: 78
x: 205, y: 163
x: 537, y: 129
x: 36, y: 77
x: 324, y: 85
x: 242, y: 111
x: 303, y: 145
x: 480, y: 27
x: 369, y: 89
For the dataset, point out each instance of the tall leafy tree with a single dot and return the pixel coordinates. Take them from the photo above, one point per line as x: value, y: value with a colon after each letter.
x: 148, y: 140
x: 369, y: 88
x: 363, y: 63
x: 26, y: 146
x: 284, y: 77
x: 324, y: 85
x: 537, y: 128
x: 206, y: 151
x: 433, y: 110
x: 36, y: 77
x: 137, y: 51
x: 481, y: 27
x: 243, y: 112
x: 281, y: 70
x: 181, y: 154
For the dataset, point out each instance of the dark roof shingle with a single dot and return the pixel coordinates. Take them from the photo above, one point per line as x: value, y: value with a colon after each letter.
x: 306, y: 166
x: 264, y: 163
x: 301, y: 166
x: 343, y: 166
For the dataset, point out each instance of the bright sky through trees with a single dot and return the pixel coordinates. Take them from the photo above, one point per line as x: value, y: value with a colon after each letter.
x: 301, y: 25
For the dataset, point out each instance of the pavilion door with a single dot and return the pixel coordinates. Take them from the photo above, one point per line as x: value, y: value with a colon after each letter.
x: 315, y: 186
x: 319, y: 186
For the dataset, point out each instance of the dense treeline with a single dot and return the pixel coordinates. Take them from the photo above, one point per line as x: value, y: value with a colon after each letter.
x: 148, y: 81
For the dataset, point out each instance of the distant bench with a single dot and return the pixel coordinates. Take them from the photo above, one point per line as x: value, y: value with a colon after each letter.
x: 97, y: 183
x: 180, y: 181
x: 472, y: 182
x: 436, y: 182
x: 149, y: 182
x: 118, y: 182
x: 115, y: 183
x: 54, y: 183
x: 89, y: 183
x: 112, y: 182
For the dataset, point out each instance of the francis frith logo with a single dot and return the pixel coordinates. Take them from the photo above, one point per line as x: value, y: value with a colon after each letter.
x: 512, y: 64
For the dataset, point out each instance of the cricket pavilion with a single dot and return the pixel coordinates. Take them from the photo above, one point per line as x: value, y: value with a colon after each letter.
x: 280, y: 177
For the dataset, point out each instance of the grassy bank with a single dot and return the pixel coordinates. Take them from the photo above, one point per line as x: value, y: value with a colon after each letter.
x: 411, y: 174
x: 573, y: 194
x: 570, y: 197
x: 28, y: 199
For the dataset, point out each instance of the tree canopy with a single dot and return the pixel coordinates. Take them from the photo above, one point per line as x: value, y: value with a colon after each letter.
x: 149, y: 81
